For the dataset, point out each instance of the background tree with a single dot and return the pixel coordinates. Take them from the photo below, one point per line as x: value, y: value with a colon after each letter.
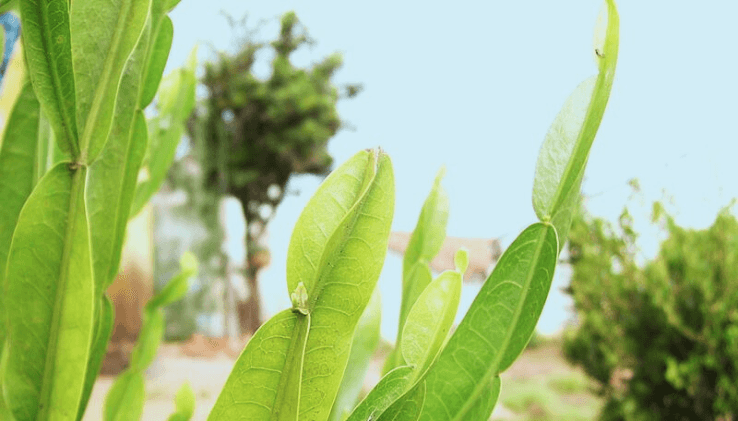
x: 252, y: 135
x: 660, y: 338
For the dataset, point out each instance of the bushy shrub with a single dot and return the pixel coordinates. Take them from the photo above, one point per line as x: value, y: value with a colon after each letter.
x: 660, y: 338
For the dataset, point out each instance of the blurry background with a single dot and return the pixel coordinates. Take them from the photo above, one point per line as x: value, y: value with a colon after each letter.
x: 472, y: 86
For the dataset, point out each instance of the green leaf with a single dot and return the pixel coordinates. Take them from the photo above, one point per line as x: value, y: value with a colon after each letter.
x: 48, y: 50
x: 110, y: 194
x: 176, y: 101
x: 496, y: 328
x: 564, y: 153
x: 49, y: 299
x: 184, y: 403
x: 157, y: 60
x: 350, y: 267
x: 407, y: 408
x: 347, y: 270
x: 430, y: 320
x: 148, y: 341
x: 103, y: 331
x: 366, y: 339
x: 425, y: 243
x: 321, y: 217
x: 390, y: 388
x: 17, y: 170
x: 105, y: 34
x: 178, y: 286
x: 125, y: 400
x: 252, y: 387
x: 418, y: 279
x: 481, y: 410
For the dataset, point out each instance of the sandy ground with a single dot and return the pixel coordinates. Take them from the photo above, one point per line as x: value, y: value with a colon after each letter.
x: 208, y: 375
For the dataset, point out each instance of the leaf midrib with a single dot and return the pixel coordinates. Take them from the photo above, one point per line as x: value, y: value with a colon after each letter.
x: 67, y: 122
x: 492, y: 371
x: 107, y: 73
x: 582, y: 146
x: 77, y: 190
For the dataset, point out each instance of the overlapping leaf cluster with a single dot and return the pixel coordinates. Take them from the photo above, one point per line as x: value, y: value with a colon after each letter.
x: 292, y: 367
x: 69, y: 169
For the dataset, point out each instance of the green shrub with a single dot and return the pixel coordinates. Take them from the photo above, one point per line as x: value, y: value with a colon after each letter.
x: 661, y: 339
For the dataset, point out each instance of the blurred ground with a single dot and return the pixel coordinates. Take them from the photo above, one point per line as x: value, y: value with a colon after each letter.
x: 539, y: 386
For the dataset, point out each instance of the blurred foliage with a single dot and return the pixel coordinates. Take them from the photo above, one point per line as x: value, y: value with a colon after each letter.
x: 660, y: 338
x: 251, y: 135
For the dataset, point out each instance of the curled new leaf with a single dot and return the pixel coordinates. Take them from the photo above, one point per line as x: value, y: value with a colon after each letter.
x: 564, y: 153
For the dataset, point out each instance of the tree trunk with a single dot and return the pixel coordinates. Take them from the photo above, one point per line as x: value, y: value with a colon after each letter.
x: 249, y: 311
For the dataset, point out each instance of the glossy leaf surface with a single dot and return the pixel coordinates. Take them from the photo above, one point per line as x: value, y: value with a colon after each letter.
x: 105, y: 34
x: 345, y: 274
x: 496, y: 327
x: 407, y: 408
x: 564, y: 153
x: 430, y: 320
x: 251, y: 389
x: 49, y: 300
x: 363, y: 346
x: 390, y: 388
x: 48, y: 50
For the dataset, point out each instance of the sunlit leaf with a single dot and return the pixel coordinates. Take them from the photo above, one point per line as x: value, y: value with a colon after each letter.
x: 496, y: 327
x: 105, y: 34
x: 364, y: 344
x: 564, y: 153
x: 390, y: 388
x: 49, y: 296
x: 48, y: 50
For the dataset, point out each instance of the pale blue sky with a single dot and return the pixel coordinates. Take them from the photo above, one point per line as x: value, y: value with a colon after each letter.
x: 474, y: 86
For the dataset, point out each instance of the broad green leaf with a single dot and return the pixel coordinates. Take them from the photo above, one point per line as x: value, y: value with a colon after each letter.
x: 430, y: 320
x: 48, y: 50
x: 125, y: 400
x: 366, y: 339
x: 407, y: 408
x: 103, y: 331
x: 105, y: 34
x: 482, y: 409
x: 565, y: 150
x: 176, y: 101
x: 251, y: 389
x: 321, y: 217
x: 184, y: 403
x: 157, y: 60
x: 49, y: 299
x: 17, y: 169
x: 496, y: 327
x: 390, y: 388
x: 178, y: 286
x: 350, y: 267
